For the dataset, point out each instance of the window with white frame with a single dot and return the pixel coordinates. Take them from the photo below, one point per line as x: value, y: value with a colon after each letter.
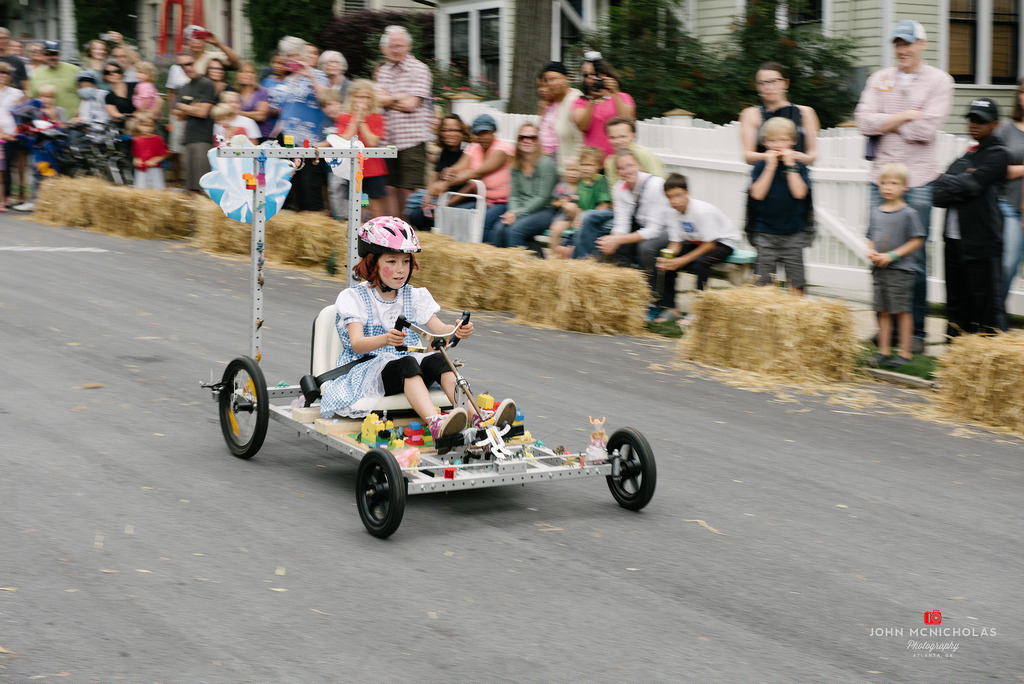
x: 804, y: 13
x: 474, y: 43
x: 968, y: 20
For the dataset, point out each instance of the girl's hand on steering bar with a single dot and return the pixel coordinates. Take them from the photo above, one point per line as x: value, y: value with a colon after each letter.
x: 394, y: 338
x: 464, y: 331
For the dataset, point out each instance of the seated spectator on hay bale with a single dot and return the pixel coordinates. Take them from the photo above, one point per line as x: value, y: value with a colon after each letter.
x: 487, y: 159
x: 621, y: 131
x: 529, y: 210
x: 452, y: 134
x: 780, y: 190
x: 588, y: 193
x: 700, y: 236
x: 636, y: 231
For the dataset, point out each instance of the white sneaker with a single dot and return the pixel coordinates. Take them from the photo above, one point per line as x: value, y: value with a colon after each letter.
x: 25, y: 206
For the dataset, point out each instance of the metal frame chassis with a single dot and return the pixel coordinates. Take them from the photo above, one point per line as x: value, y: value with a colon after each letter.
x: 419, y: 481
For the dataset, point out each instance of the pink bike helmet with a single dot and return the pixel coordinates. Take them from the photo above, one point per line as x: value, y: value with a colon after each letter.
x: 387, y: 234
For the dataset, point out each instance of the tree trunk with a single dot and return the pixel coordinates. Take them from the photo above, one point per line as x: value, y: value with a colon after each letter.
x: 531, y: 51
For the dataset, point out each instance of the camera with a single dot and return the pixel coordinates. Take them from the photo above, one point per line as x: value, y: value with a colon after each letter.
x: 201, y: 34
x: 599, y: 83
x: 106, y: 37
x: 933, y: 617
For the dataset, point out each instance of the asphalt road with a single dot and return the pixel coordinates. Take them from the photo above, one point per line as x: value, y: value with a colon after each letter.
x: 793, y: 537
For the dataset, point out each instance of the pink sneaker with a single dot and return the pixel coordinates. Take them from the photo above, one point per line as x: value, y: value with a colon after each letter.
x: 504, y: 413
x: 445, y: 425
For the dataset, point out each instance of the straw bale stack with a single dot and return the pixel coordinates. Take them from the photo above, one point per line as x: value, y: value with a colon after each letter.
x: 118, y: 210
x: 769, y: 331
x: 982, y: 378
x: 304, y: 239
x: 576, y: 295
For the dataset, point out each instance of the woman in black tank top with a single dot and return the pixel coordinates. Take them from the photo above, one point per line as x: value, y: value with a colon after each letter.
x: 772, y: 85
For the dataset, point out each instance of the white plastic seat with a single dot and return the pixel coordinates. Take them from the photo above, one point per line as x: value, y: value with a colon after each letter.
x: 465, y: 225
x: 326, y: 347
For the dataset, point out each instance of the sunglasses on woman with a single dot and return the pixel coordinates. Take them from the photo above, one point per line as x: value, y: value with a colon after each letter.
x: 527, y: 137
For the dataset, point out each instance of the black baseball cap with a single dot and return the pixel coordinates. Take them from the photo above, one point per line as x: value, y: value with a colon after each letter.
x: 984, y: 108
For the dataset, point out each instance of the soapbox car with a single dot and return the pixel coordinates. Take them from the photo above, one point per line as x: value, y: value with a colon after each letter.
x: 396, y: 455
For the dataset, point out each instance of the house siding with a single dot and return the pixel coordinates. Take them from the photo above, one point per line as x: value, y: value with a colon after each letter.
x: 714, y: 19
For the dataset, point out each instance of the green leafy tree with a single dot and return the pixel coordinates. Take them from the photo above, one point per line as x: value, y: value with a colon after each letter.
x: 357, y: 36
x: 93, y: 18
x: 664, y: 69
x: 271, y: 20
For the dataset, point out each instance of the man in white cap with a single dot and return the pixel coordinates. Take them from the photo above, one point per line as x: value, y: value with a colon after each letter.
x: 900, y: 110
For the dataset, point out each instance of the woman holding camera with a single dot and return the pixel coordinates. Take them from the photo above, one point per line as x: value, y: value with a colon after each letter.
x: 601, y: 100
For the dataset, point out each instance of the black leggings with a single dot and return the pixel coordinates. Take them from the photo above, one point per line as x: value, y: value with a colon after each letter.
x: 395, y: 372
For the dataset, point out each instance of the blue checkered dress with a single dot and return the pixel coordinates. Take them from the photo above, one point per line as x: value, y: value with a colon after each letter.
x: 363, y: 381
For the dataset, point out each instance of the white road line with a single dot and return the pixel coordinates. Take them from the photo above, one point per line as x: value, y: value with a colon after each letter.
x: 51, y: 249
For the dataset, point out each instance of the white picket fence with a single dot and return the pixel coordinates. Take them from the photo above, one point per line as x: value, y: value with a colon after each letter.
x: 710, y: 157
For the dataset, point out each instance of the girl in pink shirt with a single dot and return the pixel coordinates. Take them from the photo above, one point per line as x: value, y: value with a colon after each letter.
x: 145, y: 98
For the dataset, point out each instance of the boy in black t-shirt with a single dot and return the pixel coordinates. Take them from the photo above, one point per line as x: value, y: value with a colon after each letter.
x: 779, y: 189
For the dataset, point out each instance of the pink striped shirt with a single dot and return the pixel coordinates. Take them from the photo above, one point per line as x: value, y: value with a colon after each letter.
x: 412, y: 77
x: 930, y: 91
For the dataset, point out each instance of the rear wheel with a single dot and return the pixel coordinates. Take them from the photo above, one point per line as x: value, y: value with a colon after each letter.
x: 244, y: 407
x: 380, y: 493
x: 634, y: 474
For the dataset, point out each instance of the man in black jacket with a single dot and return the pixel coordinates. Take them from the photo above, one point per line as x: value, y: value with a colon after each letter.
x: 974, y: 227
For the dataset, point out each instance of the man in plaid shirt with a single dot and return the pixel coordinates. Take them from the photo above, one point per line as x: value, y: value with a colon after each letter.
x: 901, y: 109
x: 404, y: 91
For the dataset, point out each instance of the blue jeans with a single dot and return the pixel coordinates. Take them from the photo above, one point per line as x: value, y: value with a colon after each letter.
x: 920, y: 200
x: 596, y: 222
x: 522, y: 231
x: 492, y: 219
x: 414, y: 211
x: 1013, y: 243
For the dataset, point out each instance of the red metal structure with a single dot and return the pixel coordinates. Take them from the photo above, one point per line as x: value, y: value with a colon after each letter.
x: 195, y: 16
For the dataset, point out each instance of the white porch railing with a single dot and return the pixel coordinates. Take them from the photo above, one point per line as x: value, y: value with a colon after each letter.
x: 709, y: 156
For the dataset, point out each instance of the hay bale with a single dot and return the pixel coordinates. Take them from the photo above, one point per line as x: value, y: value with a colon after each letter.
x: 770, y: 331
x: 982, y: 378
x: 69, y: 201
x: 304, y: 239
x: 576, y: 295
x: 115, y: 209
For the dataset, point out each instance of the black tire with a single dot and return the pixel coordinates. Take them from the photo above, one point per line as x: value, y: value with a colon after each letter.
x: 637, y: 476
x: 244, y: 407
x: 380, y: 493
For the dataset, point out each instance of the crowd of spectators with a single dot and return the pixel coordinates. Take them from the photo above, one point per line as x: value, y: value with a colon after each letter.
x: 576, y: 173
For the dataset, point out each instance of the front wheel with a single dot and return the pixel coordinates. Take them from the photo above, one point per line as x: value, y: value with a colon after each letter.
x: 244, y: 407
x: 380, y: 493
x: 634, y: 474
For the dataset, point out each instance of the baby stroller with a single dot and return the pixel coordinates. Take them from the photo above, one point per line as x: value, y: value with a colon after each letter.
x: 44, y: 139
